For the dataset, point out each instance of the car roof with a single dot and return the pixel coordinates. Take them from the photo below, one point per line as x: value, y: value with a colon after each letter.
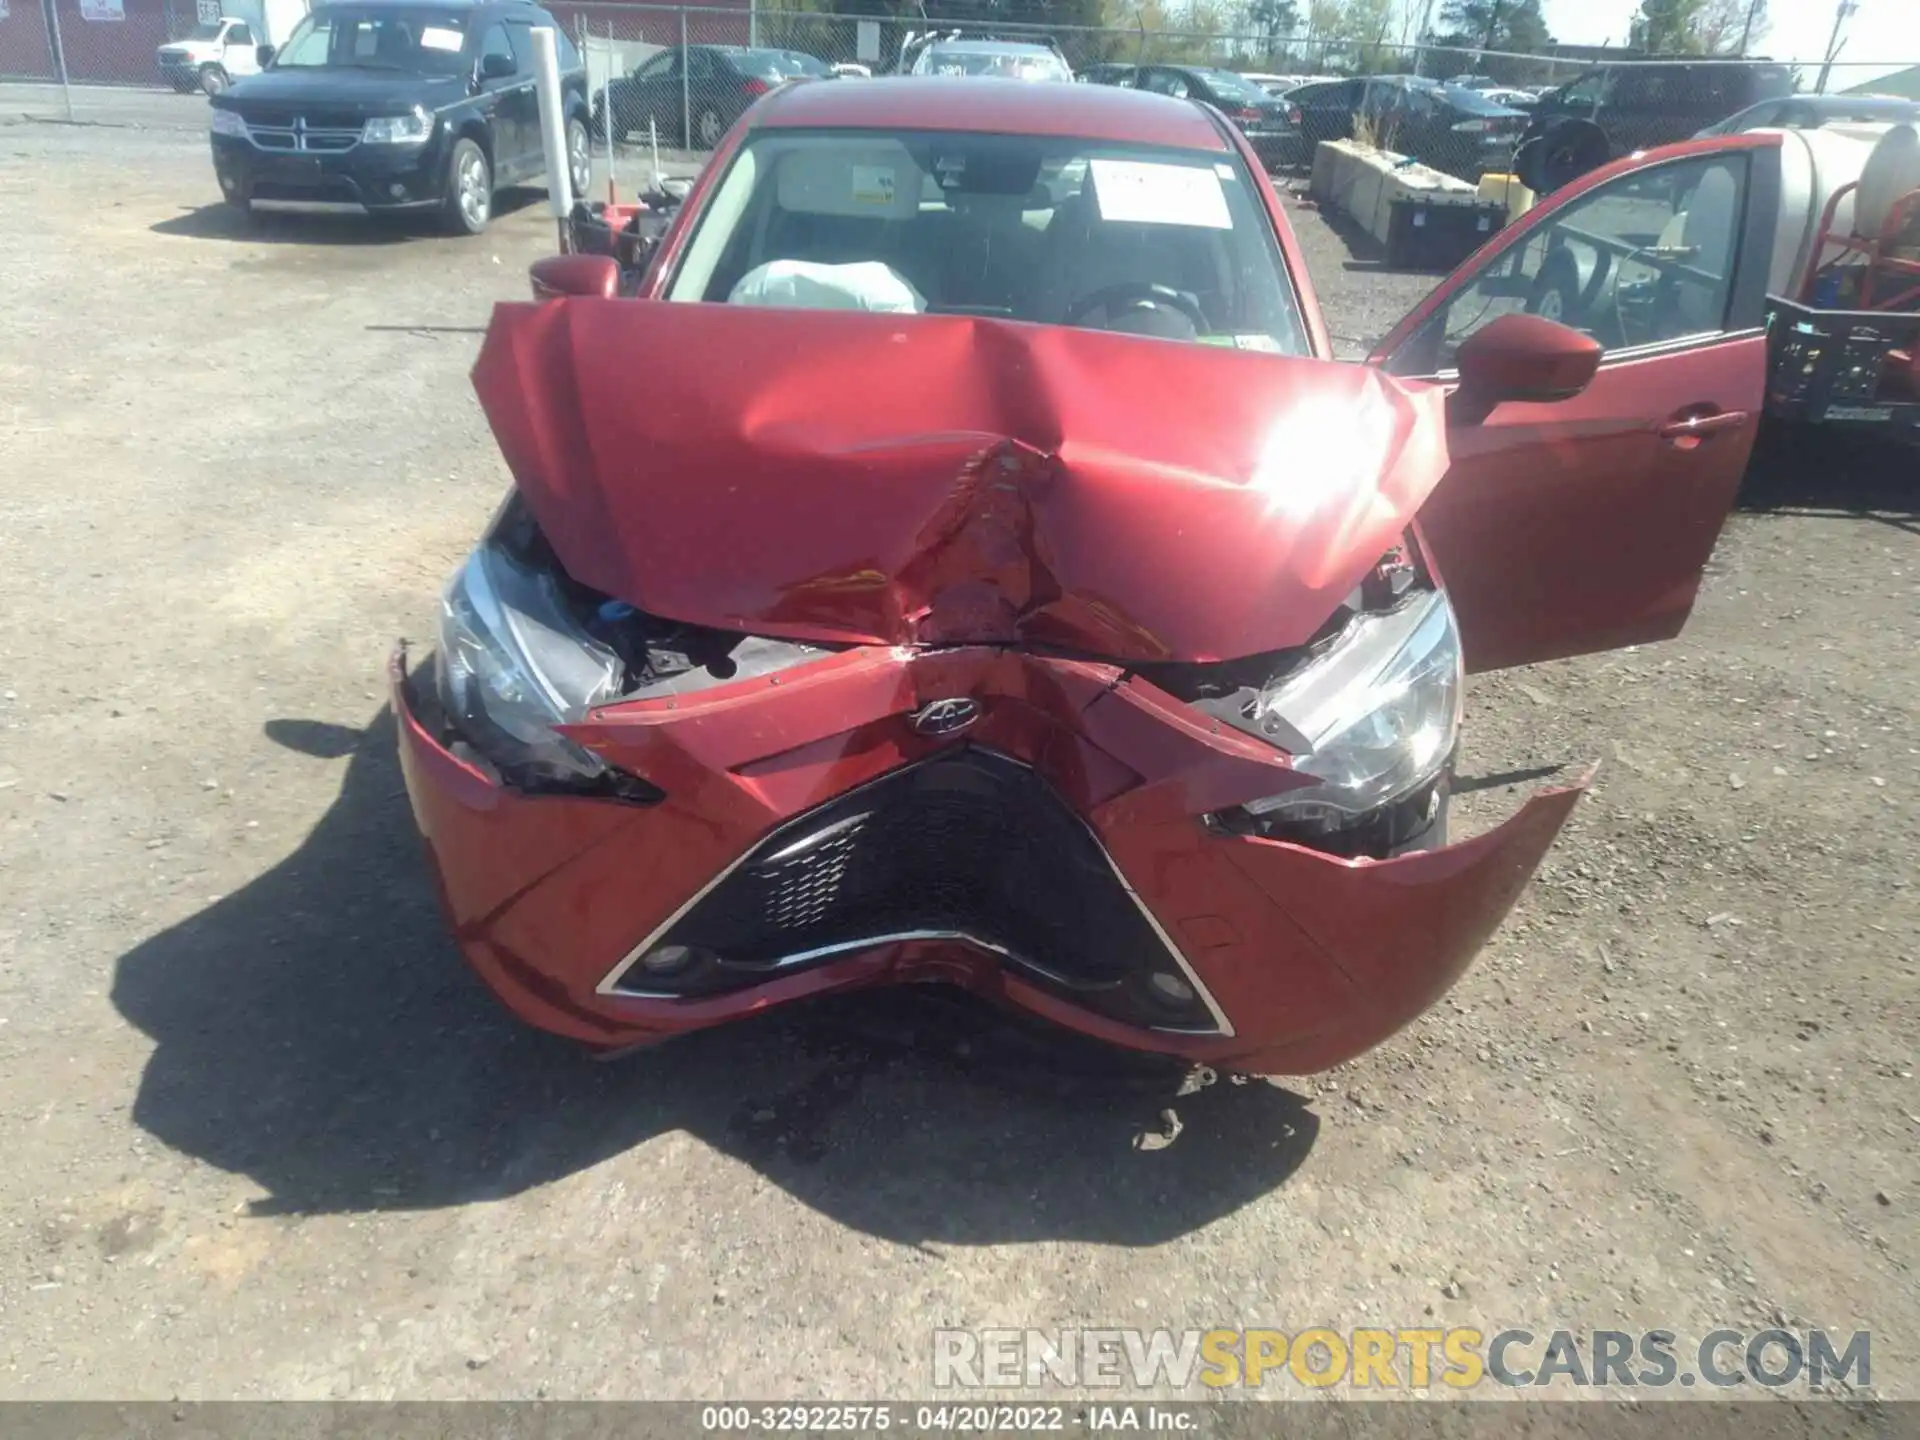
x: 992, y: 47
x: 940, y: 102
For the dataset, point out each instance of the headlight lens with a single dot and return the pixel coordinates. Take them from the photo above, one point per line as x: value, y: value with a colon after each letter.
x: 409, y: 129
x: 512, y: 664
x: 1380, y: 711
x: 228, y: 122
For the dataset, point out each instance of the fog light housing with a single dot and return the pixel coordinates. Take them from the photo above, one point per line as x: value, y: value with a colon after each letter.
x: 1169, y: 988
x: 664, y: 960
x: 397, y: 191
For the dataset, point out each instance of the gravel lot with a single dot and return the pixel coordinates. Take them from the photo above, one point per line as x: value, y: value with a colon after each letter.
x: 265, y: 1137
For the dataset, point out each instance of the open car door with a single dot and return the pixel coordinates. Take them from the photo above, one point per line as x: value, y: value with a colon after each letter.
x: 1585, y: 523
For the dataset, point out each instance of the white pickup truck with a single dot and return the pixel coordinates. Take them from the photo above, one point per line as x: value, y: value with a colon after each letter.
x: 224, y: 44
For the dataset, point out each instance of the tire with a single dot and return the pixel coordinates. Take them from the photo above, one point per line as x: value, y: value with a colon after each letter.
x: 579, y: 156
x: 1555, y: 153
x: 213, y: 80
x: 468, y: 205
x: 708, y: 127
x: 1556, y: 290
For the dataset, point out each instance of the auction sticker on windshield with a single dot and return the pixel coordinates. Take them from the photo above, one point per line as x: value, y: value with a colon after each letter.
x: 1146, y: 193
x: 872, y: 185
x: 434, y: 37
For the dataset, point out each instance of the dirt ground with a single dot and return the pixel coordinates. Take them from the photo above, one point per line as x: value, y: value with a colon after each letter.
x: 265, y: 1138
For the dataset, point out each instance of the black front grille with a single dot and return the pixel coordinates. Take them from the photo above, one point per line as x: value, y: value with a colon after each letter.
x: 319, y: 142
x: 969, y: 844
x: 319, y: 117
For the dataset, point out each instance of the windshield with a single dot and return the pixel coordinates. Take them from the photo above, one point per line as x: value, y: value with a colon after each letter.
x: 417, y: 42
x: 1229, y: 86
x: 776, y: 64
x: 205, y: 30
x: 1010, y: 64
x: 1146, y: 241
x: 1472, y: 101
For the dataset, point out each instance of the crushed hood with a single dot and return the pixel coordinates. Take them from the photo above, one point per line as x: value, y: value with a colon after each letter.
x: 931, y: 479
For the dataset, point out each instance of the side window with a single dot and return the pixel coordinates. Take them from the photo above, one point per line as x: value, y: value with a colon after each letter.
x: 520, y: 37
x: 495, y: 42
x: 666, y: 63
x: 562, y: 42
x: 1643, y: 260
x: 700, y: 66
x: 239, y: 35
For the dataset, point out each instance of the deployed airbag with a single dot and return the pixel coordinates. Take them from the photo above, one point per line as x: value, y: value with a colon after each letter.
x: 808, y: 285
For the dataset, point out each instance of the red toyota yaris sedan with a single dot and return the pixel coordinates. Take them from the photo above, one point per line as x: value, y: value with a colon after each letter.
x: 964, y: 563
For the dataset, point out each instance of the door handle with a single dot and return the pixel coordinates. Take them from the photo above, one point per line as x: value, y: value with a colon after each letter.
x: 1686, y: 431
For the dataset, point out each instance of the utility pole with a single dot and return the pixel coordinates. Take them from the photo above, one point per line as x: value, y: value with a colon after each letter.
x: 1841, y: 13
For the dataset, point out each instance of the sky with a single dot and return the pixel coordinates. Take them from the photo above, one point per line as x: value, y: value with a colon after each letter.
x: 1883, y: 32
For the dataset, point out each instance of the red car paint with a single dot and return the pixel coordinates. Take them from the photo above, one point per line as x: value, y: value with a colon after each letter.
x: 980, y: 481
x: 853, y: 495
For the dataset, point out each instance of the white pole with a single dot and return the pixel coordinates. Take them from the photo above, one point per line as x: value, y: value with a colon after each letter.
x: 553, y: 126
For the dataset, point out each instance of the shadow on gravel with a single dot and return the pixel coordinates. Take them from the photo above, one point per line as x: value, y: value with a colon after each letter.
x: 317, y: 1032
x: 268, y: 227
x: 1809, y: 470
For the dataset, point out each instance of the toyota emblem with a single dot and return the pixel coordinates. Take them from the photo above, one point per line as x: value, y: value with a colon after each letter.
x: 946, y: 717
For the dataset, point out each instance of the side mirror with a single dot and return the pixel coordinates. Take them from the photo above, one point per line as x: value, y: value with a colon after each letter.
x: 495, y: 66
x: 263, y: 55
x: 596, y: 276
x: 1522, y: 357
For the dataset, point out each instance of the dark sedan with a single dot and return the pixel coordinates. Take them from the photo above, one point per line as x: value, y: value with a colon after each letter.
x: 1269, y: 123
x: 694, y: 94
x: 1448, y: 127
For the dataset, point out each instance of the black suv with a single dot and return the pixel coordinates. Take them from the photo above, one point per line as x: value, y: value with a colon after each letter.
x: 397, y: 105
x: 1635, y: 105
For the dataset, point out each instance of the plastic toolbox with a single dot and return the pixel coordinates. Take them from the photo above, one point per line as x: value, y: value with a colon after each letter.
x: 1425, y: 235
x: 1857, y: 368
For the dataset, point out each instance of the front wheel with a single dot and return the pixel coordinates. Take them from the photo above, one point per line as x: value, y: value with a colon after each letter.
x: 579, y: 157
x: 213, y: 79
x: 469, y: 202
x: 708, y: 127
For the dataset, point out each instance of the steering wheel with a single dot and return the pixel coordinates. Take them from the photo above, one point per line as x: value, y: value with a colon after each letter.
x: 1143, y: 294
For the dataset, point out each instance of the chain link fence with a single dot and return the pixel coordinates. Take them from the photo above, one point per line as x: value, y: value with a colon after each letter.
x: 681, y: 75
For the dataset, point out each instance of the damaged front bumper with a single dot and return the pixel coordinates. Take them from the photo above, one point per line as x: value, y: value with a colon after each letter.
x: 1054, y: 856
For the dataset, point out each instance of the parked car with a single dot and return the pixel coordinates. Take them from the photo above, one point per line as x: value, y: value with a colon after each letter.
x: 1617, y: 109
x: 692, y: 95
x: 1071, y: 631
x: 1106, y: 74
x: 216, y: 52
x: 1459, y: 131
x: 1269, y: 124
x: 425, y: 105
x: 1811, y: 112
x: 1003, y: 59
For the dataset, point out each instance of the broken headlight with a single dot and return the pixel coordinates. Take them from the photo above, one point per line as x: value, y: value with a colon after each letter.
x: 513, y: 663
x: 1378, y: 710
